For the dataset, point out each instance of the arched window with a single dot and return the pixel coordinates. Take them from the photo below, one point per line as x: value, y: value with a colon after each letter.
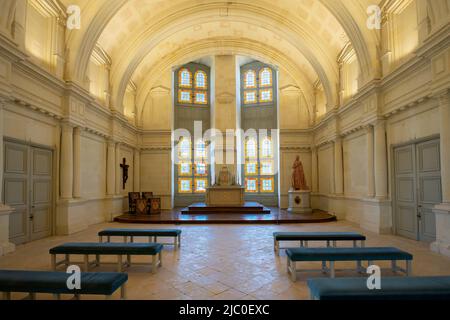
x: 185, y: 78
x: 265, y: 77
x: 200, y: 79
x: 258, y: 96
x: 184, y: 149
x: 193, y: 90
x: 258, y: 89
x: 250, y: 79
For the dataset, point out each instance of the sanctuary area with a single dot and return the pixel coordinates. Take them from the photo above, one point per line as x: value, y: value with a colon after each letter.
x: 174, y: 149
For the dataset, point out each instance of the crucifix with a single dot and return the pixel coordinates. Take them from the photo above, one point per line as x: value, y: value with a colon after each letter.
x: 124, y: 167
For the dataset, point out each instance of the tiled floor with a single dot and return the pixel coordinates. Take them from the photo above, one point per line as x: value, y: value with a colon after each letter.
x: 223, y: 262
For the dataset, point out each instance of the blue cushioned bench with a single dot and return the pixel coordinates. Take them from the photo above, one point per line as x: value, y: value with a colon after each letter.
x: 332, y: 255
x: 331, y: 238
x: 33, y: 282
x: 152, y: 234
x: 117, y: 249
x: 392, y: 288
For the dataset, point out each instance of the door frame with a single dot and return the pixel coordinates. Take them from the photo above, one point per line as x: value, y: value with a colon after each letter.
x: 392, y: 174
x: 55, y: 176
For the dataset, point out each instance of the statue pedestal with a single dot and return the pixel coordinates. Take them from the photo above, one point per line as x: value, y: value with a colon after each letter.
x: 232, y: 196
x: 300, y: 201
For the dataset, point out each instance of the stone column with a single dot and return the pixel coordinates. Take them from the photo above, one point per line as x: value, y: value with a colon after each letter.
x: 118, y: 170
x: 225, y: 112
x: 381, y: 173
x: 370, y: 163
x: 444, y: 107
x: 442, y: 211
x: 66, y: 167
x: 110, y: 166
x: 5, y: 211
x: 338, y: 168
x: 77, y: 163
x: 137, y: 171
x: 315, y: 177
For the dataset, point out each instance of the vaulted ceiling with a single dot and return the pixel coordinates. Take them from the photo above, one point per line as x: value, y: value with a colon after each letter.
x: 145, y: 37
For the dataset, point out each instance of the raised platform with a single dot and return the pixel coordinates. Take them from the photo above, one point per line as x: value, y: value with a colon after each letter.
x: 276, y: 216
x: 247, y: 208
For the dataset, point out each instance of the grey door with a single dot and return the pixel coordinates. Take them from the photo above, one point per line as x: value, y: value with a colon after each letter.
x: 405, y: 191
x: 28, y: 189
x: 429, y: 186
x: 16, y: 190
x: 41, y: 194
x: 417, y: 189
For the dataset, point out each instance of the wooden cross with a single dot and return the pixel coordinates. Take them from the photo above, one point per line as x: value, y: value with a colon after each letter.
x: 124, y: 167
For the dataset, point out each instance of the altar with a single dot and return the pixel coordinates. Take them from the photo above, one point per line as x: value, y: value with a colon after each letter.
x: 228, y: 196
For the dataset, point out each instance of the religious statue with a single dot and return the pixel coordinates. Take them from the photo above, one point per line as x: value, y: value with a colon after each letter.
x: 124, y: 167
x: 225, y: 177
x: 298, y: 176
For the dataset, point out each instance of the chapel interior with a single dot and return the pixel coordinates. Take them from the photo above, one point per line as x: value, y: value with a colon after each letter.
x: 227, y: 124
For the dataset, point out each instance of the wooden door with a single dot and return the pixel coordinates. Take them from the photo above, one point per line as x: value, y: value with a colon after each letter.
x: 41, y: 194
x: 28, y: 190
x: 405, y: 192
x: 429, y: 186
x: 417, y: 189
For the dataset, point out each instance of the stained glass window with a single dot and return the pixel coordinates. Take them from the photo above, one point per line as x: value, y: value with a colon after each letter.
x: 266, y: 168
x: 266, y: 95
x: 267, y: 185
x: 265, y: 77
x: 250, y: 97
x: 266, y: 148
x: 184, y: 96
x: 185, y: 169
x: 200, y: 149
x: 185, y: 78
x: 250, y: 79
x: 200, y: 169
x: 251, y: 169
x: 185, y: 185
x: 200, y: 97
x: 251, y: 185
x: 184, y: 148
x: 201, y: 185
x: 200, y: 80
x: 251, y: 149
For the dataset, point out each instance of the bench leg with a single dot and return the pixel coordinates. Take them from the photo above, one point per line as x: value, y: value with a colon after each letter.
x: 179, y: 241
x: 132, y: 239
x: 97, y: 260
x: 328, y: 243
x: 119, y: 263
x: 123, y: 292
x: 67, y: 260
x: 293, y: 271
x: 108, y: 239
x: 128, y: 260
x: 332, y: 270
x: 355, y: 244
x: 156, y: 240
x: 53, y: 258
x: 394, y: 266
x: 359, y: 267
x: 100, y: 239
x: 86, y: 262
x: 324, y: 267
x: 160, y: 258
x: 408, y: 268
x: 335, y: 243
x: 154, y: 263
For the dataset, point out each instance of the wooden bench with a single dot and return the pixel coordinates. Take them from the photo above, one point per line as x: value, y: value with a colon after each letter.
x: 33, y: 282
x: 99, y: 249
x: 331, y: 238
x: 392, y: 288
x: 152, y: 235
x: 332, y: 255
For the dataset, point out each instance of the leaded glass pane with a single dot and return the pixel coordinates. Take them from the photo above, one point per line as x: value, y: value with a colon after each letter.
x: 266, y: 95
x: 185, y: 78
x: 200, y: 80
x: 267, y: 185
x: 251, y: 185
x: 200, y: 97
x: 185, y: 185
x: 266, y: 77
x: 250, y: 79
x: 250, y: 97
